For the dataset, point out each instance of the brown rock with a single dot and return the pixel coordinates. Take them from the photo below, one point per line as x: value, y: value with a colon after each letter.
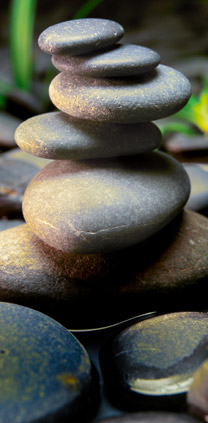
x: 197, y: 397
x: 167, y: 273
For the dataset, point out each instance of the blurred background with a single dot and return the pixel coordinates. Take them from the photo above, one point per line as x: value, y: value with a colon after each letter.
x: 176, y: 29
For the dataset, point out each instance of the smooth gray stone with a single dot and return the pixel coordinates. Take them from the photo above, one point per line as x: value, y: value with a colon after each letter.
x: 59, y: 136
x: 80, y: 36
x: 147, y: 97
x: 105, y: 205
x: 121, y: 60
x: 46, y: 373
x: 151, y: 364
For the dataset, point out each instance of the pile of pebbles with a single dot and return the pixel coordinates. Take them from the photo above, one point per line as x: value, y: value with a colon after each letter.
x: 106, y: 238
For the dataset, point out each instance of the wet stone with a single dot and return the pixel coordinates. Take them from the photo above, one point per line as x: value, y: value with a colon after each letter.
x: 104, y: 205
x: 74, y: 288
x: 46, y: 374
x: 147, y: 97
x: 152, y: 417
x: 8, y: 125
x: 121, y: 60
x: 151, y: 363
x: 17, y: 168
x: 80, y: 36
x: 59, y: 136
x: 197, y: 397
x: 198, y: 174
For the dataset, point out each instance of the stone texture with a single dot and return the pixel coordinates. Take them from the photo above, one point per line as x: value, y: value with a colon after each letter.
x: 121, y: 60
x: 166, y: 273
x: 151, y: 363
x: 17, y: 168
x: 152, y: 417
x: 8, y: 125
x: 104, y: 205
x: 198, y: 174
x: 59, y: 136
x: 197, y: 397
x: 147, y: 97
x: 46, y: 374
x: 80, y: 36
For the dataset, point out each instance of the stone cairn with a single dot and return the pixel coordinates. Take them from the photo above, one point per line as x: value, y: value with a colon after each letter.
x: 105, y: 190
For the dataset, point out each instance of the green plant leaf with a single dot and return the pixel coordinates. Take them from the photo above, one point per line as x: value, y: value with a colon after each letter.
x: 200, y: 111
x: 22, y: 16
x: 86, y: 8
x: 187, y: 113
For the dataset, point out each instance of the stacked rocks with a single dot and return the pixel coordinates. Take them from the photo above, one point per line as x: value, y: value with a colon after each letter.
x: 106, y: 189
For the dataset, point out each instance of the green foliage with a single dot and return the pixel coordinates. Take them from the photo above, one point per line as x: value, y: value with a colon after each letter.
x: 22, y: 16
x: 87, y: 7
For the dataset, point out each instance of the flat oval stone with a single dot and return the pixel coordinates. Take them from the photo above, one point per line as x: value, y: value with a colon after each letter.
x: 80, y: 36
x: 152, y: 417
x: 104, y: 205
x: 151, y: 363
x: 197, y: 395
x: 121, y: 60
x: 59, y: 136
x: 147, y: 97
x: 168, y: 272
x: 46, y: 374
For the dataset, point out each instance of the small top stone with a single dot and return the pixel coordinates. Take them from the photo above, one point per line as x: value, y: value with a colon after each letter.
x: 120, y: 60
x: 80, y: 36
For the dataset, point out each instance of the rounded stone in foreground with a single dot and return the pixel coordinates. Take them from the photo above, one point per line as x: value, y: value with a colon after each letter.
x: 151, y: 363
x: 59, y: 136
x: 121, y: 60
x: 168, y: 272
x: 46, y: 374
x: 147, y: 97
x: 80, y: 36
x: 152, y: 417
x: 104, y: 205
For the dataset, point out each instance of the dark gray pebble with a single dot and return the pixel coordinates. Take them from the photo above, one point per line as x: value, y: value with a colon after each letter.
x: 147, y: 97
x: 59, y: 136
x: 46, y: 374
x: 121, y: 60
x: 80, y: 36
x: 151, y: 363
x: 104, y: 205
x: 198, y: 174
x: 152, y: 417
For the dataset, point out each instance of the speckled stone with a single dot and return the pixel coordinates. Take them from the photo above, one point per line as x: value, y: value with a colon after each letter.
x: 104, y: 205
x: 17, y: 168
x: 167, y: 272
x: 59, y: 136
x: 46, y: 374
x: 152, y: 417
x: 121, y: 60
x: 80, y: 36
x: 147, y: 97
x: 198, y: 174
x: 197, y: 397
x: 151, y: 363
